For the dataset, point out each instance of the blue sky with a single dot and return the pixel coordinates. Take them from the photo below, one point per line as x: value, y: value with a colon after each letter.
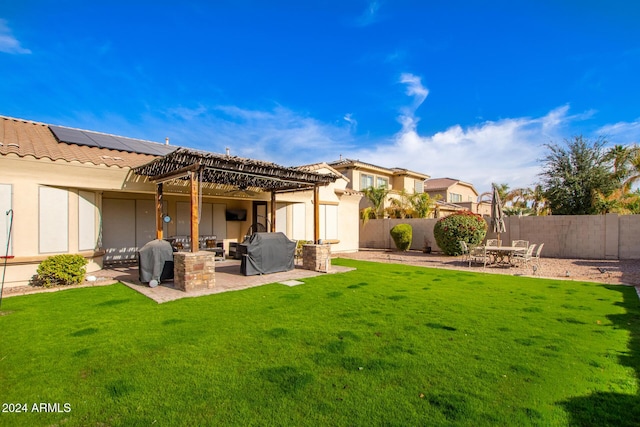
x: 463, y: 89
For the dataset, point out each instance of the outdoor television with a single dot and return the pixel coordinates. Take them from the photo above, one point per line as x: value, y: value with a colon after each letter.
x: 236, y: 214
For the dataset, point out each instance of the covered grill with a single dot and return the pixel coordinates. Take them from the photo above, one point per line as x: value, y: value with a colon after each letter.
x: 155, y: 261
x: 264, y: 253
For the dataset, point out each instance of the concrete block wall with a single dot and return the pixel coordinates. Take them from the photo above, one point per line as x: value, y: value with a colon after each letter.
x: 610, y: 236
x: 629, y: 246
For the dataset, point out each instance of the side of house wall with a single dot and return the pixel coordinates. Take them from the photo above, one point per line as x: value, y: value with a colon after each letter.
x: 608, y: 236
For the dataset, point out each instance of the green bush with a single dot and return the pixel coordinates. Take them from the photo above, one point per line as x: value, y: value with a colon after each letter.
x: 61, y: 270
x: 462, y: 225
x: 402, y: 235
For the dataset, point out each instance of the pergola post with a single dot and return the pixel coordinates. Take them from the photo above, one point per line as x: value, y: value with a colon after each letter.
x: 273, y: 212
x: 316, y: 214
x: 159, y: 211
x: 195, y: 232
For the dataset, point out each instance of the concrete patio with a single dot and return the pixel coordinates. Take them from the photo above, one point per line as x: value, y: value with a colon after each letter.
x: 228, y: 278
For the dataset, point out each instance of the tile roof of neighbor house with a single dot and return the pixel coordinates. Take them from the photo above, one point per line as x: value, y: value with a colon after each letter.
x: 390, y: 171
x: 25, y: 138
x: 434, y: 184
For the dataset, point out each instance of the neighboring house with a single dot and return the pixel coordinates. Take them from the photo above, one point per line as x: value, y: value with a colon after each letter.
x: 364, y: 175
x: 75, y: 191
x: 455, y: 194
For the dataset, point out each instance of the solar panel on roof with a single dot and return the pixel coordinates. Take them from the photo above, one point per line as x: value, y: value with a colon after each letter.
x: 113, y: 142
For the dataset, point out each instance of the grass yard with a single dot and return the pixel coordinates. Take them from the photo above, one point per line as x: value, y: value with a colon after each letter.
x: 382, y: 345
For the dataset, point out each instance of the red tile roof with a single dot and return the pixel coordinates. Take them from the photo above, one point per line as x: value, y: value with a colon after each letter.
x: 32, y: 139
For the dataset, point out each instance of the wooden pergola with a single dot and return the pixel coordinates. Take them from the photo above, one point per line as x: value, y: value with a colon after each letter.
x: 223, y: 170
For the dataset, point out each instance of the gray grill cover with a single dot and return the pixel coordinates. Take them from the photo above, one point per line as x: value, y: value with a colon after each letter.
x: 152, y: 258
x: 267, y: 253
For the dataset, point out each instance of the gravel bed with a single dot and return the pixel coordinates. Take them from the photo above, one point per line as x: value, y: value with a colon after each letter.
x: 603, y: 271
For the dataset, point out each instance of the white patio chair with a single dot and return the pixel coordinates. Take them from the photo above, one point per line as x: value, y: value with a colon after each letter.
x: 536, y: 257
x: 464, y: 249
x: 524, y: 257
x: 493, y: 242
x: 478, y: 255
x: 520, y: 243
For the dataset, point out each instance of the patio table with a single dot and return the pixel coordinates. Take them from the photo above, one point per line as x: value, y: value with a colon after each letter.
x: 499, y: 253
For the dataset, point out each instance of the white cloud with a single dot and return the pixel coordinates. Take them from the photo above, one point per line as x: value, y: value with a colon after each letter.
x: 8, y: 43
x: 353, y: 123
x: 504, y: 151
x: 370, y: 15
x: 278, y: 135
x: 622, y: 132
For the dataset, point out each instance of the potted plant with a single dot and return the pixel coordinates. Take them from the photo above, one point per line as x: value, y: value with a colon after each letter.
x: 427, y: 246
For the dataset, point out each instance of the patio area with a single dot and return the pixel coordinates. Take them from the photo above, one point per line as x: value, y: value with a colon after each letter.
x: 228, y: 278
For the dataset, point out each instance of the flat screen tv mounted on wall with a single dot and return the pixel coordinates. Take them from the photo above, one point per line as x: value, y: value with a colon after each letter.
x: 236, y: 214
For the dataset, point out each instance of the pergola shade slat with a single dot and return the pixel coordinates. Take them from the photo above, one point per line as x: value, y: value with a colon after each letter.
x: 235, y: 171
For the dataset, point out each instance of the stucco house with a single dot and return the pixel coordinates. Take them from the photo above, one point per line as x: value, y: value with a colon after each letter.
x: 77, y: 191
x: 455, y: 194
x: 362, y: 175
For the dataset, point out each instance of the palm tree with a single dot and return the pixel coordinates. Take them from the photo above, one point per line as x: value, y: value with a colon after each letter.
x: 423, y: 204
x: 401, y: 207
x: 376, y: 197
x: 539, y: 203
x: 626, y: 170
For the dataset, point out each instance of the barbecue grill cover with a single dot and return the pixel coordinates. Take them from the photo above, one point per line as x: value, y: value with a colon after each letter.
x: 267, y: 253
x: 155, y: 259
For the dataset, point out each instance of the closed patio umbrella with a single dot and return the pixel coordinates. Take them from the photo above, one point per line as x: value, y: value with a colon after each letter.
x: 497, y: 215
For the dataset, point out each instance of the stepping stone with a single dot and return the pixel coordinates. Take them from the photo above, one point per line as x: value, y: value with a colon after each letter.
x: 291, y: 282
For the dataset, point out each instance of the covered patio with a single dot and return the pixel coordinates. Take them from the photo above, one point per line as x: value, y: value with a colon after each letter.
x: 229, y: 172
x: 195, y: 270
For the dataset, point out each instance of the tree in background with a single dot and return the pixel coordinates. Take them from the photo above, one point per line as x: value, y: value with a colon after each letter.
x: 625, y: 165
x: 402, y: 206
x: 376, y: 197
x: 423, y: 204
x: 572, y: 176
x: 411, y: 205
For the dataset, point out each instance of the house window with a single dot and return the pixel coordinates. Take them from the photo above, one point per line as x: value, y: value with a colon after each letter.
x: 418, y: 186
x: 455, y: 198
x: 366, y: 181
x: 53, y: 220
x: 86, y: 221
x: 5, y: 206
x: 299, y: 221
x: 328, y: 222
x: 382, y: 182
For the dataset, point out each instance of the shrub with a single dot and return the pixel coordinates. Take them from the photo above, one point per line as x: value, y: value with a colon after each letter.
x: 61, y: 270
x: 402, y: 235
x: 462, y: 225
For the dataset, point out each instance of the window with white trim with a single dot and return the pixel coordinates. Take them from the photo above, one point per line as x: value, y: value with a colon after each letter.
x: 382, y: 182
x: 366, y: 181
x: 455, y: 198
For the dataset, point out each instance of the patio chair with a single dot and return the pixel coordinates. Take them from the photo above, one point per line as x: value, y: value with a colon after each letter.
x: 524, y: 257
x: 536, y: 257
x: 298, y: 253
x: 493, y: 242
x: 520, y: 243
x: 478, y: 255
x: 464, y: 250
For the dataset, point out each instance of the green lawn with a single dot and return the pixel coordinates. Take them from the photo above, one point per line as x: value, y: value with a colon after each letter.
x: 382, y: 345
